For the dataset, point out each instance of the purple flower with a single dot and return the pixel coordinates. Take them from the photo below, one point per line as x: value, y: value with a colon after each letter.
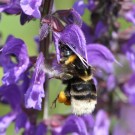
x: 129, y: 49
x: 93, y: 35
x: 12, y: 71
x: 30, y: 129
x: 56, y: 37
x: 80, y: 6
x: 12, y: 95
x: 24, y: 18
x: 79, y: 125
x: 90, y: 122
x: 130, y: 15
x: 74, y: 38
x: 35, y: 92
x: 33, y: 129
x: 129, y: 89
x: 31, y: 7
x: 27, y: 8
x: 91, y: 4
x: 74, y: 124
x: 5, y: 121
x: 11, y: 7
x: 100, y: 29
x: 88, y: 32
x: 100, y: 56
x: 26, y: 119
x: 125, y: 125
x: 102, y: 123
x: 69, y: 16
x: 111, y: 82
x: 41, y: 129
x: 20, y: 121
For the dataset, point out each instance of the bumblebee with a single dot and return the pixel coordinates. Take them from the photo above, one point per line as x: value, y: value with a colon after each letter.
x: 80, y: 89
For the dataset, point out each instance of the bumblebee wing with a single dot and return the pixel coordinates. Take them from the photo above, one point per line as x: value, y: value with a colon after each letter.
x: 79, y: 56
x: 58, y: 73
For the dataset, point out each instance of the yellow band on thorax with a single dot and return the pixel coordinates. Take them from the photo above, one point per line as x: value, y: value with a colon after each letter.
x: 86, y: 78
x: 70, y: 59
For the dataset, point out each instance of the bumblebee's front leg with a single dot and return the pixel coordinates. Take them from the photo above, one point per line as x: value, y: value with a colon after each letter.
x: 63, y: 76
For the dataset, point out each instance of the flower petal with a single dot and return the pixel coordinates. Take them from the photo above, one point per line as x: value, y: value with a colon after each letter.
x: 12, y: 71
x: 31, y: 7
x: 74, y: 38
x: 35, y: 92
x: 111, y: 82
x: 129, y: 49
x: 100, y: 56
x: 129, y: 89
x: 5, y: 121
x: 91, y: 5
x: 20, y: 121
x: 12, y: 95
x: 11, y: 7
x: 101, y: 28
x: 88, y: 32
x: 69, y: 16
x: 125, y: 125
x: 130, y: 15
x: 74, y: 124
x: 80, y: 6
x: 41, y: 129
x: 24, y: 18
x: 102, y: 123
x: 89, y: 121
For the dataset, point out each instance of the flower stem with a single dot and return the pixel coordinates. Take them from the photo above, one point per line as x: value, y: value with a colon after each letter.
x: 44, y: 47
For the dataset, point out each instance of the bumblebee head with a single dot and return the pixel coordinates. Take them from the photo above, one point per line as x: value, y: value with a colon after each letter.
x: 65, y: 51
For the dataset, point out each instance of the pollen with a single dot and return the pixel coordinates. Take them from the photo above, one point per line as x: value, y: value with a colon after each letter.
x: 62, y: 97
x: 70, y: 59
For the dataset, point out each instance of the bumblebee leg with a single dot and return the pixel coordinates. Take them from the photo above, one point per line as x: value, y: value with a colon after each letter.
x: 62, y: 60
x: 68, y: 102
x: 66, y: 76
x: 70, y: 59
x: 64, y: 98
x: 54, y: 103
x: 61, y: 98
x: 67, y: 93
x: 63, y: 76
